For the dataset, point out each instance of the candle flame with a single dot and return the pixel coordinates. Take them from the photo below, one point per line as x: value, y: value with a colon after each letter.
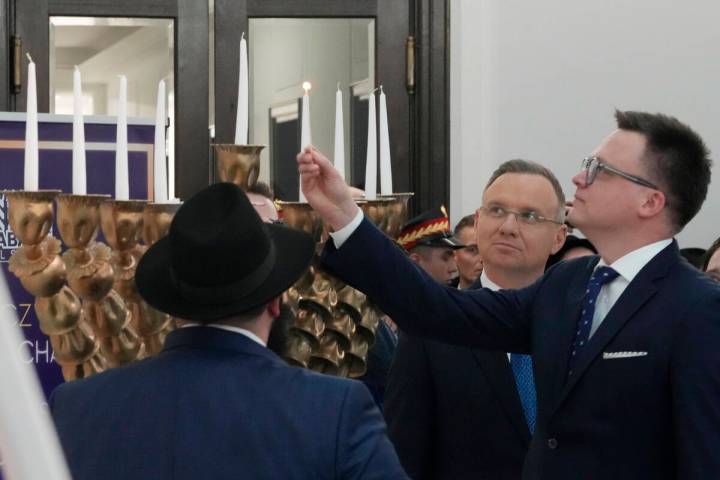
x: 306, y: 86
x: 29, y: 57
x: 338, y: 87
x: 381, y: 90
x: 242, y: 37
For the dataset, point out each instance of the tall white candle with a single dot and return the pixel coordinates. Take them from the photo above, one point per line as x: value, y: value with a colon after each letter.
x: 160, y: 171
x: 30, y: 447
x: 385, y: 164
x: 371, y: 157
x: 122, y: 188
x: 241, y: 121
x: 79, y: 175
x: 339, y: 157
x: 305, y: 134
x: 31, y: 132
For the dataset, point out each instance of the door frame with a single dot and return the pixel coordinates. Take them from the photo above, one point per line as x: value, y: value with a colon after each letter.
x: 31, y: 23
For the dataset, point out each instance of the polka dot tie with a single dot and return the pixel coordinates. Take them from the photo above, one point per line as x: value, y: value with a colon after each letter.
x: 523, y: 373
x: 600, y: 277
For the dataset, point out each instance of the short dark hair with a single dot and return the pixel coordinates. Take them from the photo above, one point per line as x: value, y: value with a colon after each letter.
x: 526, y: 166
x: 466, y: 221
x: 709, y: 253
x: 676, y: 158
x: 262, y: 188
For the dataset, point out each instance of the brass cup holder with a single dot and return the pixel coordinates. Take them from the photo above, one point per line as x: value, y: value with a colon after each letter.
x: 238, y: 164
x: 30, y: 214
x: 301, y: 216
x: 396, y: 212
x: 156, y: 220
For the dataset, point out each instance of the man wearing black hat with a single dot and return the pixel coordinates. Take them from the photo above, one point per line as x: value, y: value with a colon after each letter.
x: 216, y: 403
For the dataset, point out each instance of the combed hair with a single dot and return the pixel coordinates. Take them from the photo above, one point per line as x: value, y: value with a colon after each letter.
x: 532, y: 168
x: 676, y: 158
x: 466, y: 221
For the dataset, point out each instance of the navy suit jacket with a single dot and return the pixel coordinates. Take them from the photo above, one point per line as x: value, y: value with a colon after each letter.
x: 214, y: 404
x: 454, y: 412
x: 622, y: 416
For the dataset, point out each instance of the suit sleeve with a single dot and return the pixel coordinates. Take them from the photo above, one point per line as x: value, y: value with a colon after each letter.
x: 364, y: 451
x: 410, y: 408
x: 695, y: 377
x: 372, y: 263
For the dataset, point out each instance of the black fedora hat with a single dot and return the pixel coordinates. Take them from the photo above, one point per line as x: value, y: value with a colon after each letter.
x: 219, y: 259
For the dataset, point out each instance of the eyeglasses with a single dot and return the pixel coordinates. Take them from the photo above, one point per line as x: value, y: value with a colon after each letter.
x: 593, y: 165
x: 528, y: 217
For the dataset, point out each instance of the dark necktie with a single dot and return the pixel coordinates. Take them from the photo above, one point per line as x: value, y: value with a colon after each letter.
x: 522, y: 370
x: 600, y: 277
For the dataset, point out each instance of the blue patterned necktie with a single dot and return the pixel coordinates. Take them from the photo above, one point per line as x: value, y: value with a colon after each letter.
x: 522, y: 370
x: 600, y: 277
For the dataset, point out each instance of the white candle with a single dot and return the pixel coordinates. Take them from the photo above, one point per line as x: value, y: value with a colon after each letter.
x: 371, y: 157
x: 31, y: 131
x: 385, y: 167
x: 305, y: 134
x: 241, y: 121
x: 79, y: 179
x: 30, y: 447
x: 160, y: 171
x: 339, y: 158
x: 122, y: 188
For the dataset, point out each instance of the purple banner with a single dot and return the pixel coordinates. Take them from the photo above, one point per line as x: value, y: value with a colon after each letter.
x: 55, y: 172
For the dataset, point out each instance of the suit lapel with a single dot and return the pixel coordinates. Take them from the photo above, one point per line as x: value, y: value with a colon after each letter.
x: 638, y: 292
x: 496, y: 368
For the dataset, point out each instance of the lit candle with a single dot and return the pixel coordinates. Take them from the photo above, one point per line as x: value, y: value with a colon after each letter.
x: 31, y: 131
x: 305, y: 135
x: 339, y: 158
x: 241, y: 121
x: 371, y: 157
x: 122, y: 189
x: 385, y: 168
x: 159, y: 170
x: 79, y: 179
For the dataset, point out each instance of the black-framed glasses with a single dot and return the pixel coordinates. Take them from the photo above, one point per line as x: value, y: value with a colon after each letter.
x: 528, y: 217
x: 593, y: 165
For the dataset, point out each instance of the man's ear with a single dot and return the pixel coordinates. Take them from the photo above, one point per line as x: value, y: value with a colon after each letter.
x: 415, y: 257
x: 654, y: 204
x: 559, y: 239
x: 273, y: 307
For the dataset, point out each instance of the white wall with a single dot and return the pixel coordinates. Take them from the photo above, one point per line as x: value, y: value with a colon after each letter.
x: 540, y: 80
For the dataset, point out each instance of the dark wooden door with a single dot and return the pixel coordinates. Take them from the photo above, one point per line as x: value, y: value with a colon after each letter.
x: 30, y: 23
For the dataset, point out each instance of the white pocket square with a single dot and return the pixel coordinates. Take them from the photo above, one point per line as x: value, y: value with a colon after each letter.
x: 613, y: 355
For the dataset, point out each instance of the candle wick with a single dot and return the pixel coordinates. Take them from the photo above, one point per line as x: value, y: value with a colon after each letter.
x: 338, y: 87
x: 381, y: 89
x: 374, y: 90
x: 29, y: 57
x: 242, y: 37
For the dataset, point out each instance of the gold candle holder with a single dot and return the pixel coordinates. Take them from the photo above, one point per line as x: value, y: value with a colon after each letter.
x: 238, y: 164
x: 122, y: 222
x: 153, y: 325
x: 397, y: 212
x: 42, y: 272
x: 301, y: 216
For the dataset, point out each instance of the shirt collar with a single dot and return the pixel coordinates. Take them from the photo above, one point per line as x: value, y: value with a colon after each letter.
x: 228, y: 328
x: 630, y: 264
x: 487, y: 283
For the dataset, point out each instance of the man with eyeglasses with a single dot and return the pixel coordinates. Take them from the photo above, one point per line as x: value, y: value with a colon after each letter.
x: 624, y: 344
x: 456, y: 412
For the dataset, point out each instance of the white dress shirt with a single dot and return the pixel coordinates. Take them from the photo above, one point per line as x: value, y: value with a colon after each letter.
x: 628, y: 266
x: 228, y: 328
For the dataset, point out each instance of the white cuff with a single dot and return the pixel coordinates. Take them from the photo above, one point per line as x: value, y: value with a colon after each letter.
x: 344, y: 233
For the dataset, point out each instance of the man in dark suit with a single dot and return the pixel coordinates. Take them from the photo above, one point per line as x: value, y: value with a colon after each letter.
x: 624, y: 344
x: 216, y: 403
x: 456, y: 412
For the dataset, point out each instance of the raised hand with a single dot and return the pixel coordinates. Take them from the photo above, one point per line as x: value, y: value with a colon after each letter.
x: 324, y: 189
